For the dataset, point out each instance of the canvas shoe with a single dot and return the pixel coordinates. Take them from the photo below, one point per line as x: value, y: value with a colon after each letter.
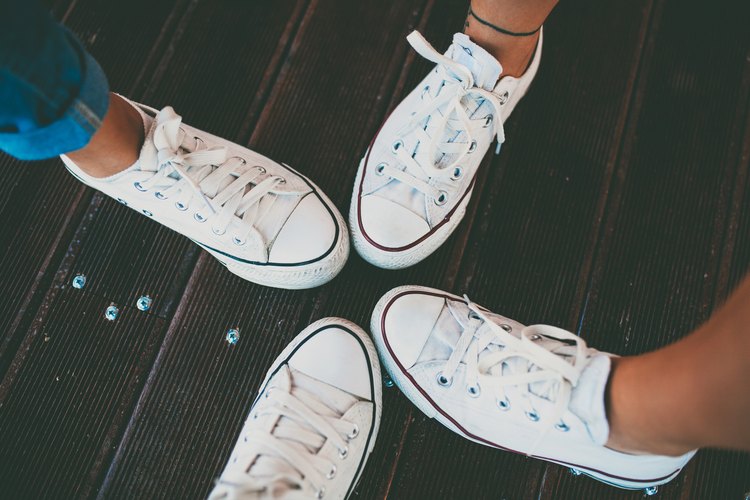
x: 314, y: 422
x: 417, y: 176
x: 536, y: 390
x: 264, y: 221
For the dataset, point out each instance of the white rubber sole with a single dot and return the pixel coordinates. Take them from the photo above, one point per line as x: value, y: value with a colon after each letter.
x: 416, y: 397
x: 400, y: 259
x: 372, y: 356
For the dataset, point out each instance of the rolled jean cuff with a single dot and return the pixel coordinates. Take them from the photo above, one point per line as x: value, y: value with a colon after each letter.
x: 76, y: 125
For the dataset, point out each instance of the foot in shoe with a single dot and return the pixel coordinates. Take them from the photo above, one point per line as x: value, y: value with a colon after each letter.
x: 416, y: 178
x: 264, y: 221
x: 314, y: 422
x: 536, y: 390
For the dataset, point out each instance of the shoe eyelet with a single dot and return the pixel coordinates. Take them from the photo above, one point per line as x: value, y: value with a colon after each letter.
x: 122, y: 201
x: 474, y: 390
x: 473, y: 146
x: 343, y: 453
x: 238, y: 241
x: 425, y: 90
x: 457, y: 173
x: 503, y: 404
x: 397, y: 145
x: 487, y: 121
x: 199, y: 217
x: 218, y: 231
x: 331, y: 473
x: 262, y: 170
x: 147, y: 213
x: 354, y: 433
x: 244, y: 161
x: 441, y: 199
x: 180, y: 206
x: 380, y: 168
x: 159, y: 195
x: 281, y: 180
x: 562, y: 426
x: 535, y: 337
x: 444, y: 381
x: 473, y: 315
x: 139, y: 187
x: 503, y: 98
x: 532, y: 415
x: 506, y: 327
x: 319, y: 494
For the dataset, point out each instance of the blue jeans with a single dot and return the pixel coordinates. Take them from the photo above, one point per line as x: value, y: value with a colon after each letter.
x: 53, y: 94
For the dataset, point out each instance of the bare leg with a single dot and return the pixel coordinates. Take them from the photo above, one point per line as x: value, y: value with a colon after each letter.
x: 518, y: 16
x: 690, y: 394
x: 116, y: 145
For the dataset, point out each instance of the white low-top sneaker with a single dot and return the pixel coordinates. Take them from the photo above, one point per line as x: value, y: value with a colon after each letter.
x: 535, y: 390
x: 314, y: 422
x: 264, y: 221
x: 417, y: 176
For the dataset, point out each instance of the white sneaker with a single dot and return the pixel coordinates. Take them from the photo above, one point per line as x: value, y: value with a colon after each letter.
x: 264, y: 221
x: 416, y: 178
x: 535, y: 390
x: 314, y: 422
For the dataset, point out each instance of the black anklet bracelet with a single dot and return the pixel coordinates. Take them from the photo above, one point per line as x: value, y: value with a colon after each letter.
x: 498, y: 28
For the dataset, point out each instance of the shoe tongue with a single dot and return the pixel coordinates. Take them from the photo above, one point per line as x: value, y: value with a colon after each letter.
x: 587, y: 399
x: 483, y: 66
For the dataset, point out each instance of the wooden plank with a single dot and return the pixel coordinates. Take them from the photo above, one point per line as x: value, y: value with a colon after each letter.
x: 122, y: 254
x: 536, y: 222
x: 337, y: 73
x: 655, y: 276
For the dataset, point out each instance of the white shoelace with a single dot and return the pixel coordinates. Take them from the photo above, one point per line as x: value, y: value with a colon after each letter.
x: 287, y: 457
x: 513, y: 364
x: 448, y: 106
x: 190, y: 172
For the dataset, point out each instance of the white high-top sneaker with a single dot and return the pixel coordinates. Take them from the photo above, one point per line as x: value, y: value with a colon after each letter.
x: 264, y: 221
x: 535, y: 390
x: 314, y: 422
x: 416, y: 178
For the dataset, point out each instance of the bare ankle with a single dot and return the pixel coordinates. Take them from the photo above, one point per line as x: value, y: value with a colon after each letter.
x: 117, y: 143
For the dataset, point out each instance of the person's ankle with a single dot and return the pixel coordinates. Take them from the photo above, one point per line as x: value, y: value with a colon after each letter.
x: 513, y: 53
x: 116, y: 145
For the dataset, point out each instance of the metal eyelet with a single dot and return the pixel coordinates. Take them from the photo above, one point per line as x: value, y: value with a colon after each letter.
x: 503, y: 404
x: 122, y: 201
x: 457, y: 173
x: 444, y: 381
x: 331, y: 473
x: 487, y: 121
x: 244, y: 161
x: 319, y: 494
x: 218, y: 232
x: 503, y: 98
x: 180, y: 206
x: 441, y: 199
x: 147, y: 213
x: 139, y: 187
x: 562, y: 426
x: 282, y: 180
x: 474, y: 315
x: 473, y: 146
x: 380, y: 168
x: 344, y: 453
x: 354, y: 433
x: 532, y: 415
x: 238, y: 241
x: 199, y: 217
x: 506, y: 327
x: 159, y: 195
x: 473, y: 390
x: 262, y: 170
x: 397, y: 145
x: 535, y: 337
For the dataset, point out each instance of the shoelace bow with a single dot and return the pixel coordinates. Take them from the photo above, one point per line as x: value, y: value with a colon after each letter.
x: 190, y: 172
x: 458, y: 85
x: 290, y: 450
x: 514, y: 363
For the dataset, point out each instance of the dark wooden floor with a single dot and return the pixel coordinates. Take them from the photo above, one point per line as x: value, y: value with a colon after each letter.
x: 619, y: 209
